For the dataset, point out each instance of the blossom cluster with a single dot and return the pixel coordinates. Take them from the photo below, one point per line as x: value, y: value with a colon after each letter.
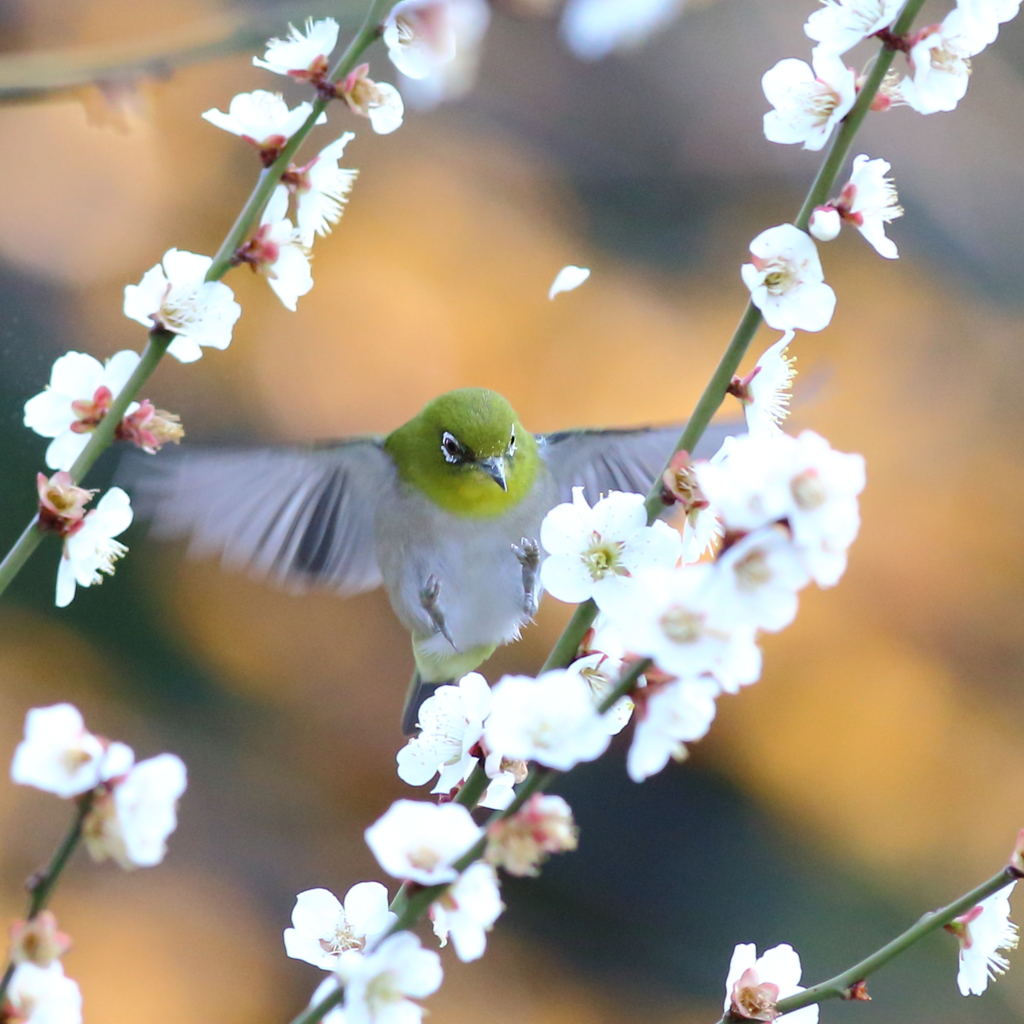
x: 809, y: 101
x: 127, y: 808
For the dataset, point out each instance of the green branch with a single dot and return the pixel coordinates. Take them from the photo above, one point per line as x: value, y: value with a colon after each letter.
x: 839, y: 986
x: 42, y: 884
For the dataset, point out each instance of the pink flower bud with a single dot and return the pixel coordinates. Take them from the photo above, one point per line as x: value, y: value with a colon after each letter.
x: 150, y: 428
x: 825, y: 223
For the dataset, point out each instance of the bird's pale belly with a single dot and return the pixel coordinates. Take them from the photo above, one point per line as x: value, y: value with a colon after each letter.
x: 481, y: 596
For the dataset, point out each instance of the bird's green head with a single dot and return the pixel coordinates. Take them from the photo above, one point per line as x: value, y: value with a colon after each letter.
x: 467, y: 452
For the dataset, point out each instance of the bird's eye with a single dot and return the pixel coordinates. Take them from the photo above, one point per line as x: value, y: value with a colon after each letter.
x: 512, y: 444
x: 451, y: 449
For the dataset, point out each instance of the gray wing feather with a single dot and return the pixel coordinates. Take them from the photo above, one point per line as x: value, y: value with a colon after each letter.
x: 299, y: 517
x: 618, y: 460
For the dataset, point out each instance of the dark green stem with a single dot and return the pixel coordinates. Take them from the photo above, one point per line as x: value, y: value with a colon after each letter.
x: 568, y: 644
x: 42, y: 884
x: 839, y: 986
x: 625, y: 685
x: 473, y: 788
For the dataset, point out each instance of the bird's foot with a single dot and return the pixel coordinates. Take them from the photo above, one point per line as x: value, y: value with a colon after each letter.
x: 528, y: 553
x: 429, y: 594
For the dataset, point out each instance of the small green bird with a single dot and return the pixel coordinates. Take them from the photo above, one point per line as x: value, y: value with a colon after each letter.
x: 445, y: 512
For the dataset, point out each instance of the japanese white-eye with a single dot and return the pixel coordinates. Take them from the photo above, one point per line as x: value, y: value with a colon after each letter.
x: 445, y: 512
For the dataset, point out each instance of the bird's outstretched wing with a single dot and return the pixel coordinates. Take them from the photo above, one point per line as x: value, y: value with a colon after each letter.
x: 298, y: 516
x: 618, y: 460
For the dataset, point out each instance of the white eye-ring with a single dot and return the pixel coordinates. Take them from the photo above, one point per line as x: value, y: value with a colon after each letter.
x: 512, y: 444
x: 450, y: 448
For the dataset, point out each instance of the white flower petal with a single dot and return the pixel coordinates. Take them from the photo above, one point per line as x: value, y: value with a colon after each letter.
x: 568, y: 279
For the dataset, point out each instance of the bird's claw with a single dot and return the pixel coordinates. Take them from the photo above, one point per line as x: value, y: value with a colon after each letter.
x: 528, y: 553
x: 429, y: 594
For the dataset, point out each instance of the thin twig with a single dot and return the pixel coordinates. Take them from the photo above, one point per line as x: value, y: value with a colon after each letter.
x: 42, y: 885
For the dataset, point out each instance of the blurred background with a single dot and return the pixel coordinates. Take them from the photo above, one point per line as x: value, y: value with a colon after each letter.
x: 878, y: 767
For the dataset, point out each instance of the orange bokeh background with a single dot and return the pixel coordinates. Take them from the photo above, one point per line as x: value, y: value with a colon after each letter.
x: 885, y: 736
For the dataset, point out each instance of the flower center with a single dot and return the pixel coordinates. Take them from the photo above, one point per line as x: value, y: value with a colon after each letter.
x: 343, y: 939
x: 752, y: 571
x: 682, y: 625
x: 424, y: 858
x: 779, y: 275
x: 822, y: 102
x: 808, y: 491
x: 604, y: 558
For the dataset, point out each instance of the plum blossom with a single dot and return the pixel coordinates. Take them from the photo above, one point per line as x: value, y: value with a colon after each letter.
x: 765, y: 391
x: 451, y: 724
x: 551, y: 719
x: 468, y: 910
x: 321, y: 190
x: 520, y: 843
x: 58, y: 754
x: 809, y: 99
x: 982, y: 932
x: 131, y: 820
x: 593, y: 552
x: 61, y: 502
x: 277, y: 252
x: 672, y: 715
x: 262, y: 119
x: 420, y: 36
x: 42, y: 995
x: 869, y: 202
x: 322, y: 928
x: 786, y: 281
x: 674, y: 618
x: 568, y: 279
x: 755, y: 582
x: 378, y: 984
x: 470, y: 20
x: 801, y: 480
x: 940, y: 62
x: 302, y: 54
x: 842, y: 24
x: 38, y: 940
x: 89, y: 547
x: 592, y: 29
x: 175, y: 296
x: 77, y: 398
x: 420, y: 841
x: 378, y: 101
x: 756, y: 983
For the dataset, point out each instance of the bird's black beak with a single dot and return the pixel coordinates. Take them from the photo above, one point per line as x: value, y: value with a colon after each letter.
x: 494, y: 467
